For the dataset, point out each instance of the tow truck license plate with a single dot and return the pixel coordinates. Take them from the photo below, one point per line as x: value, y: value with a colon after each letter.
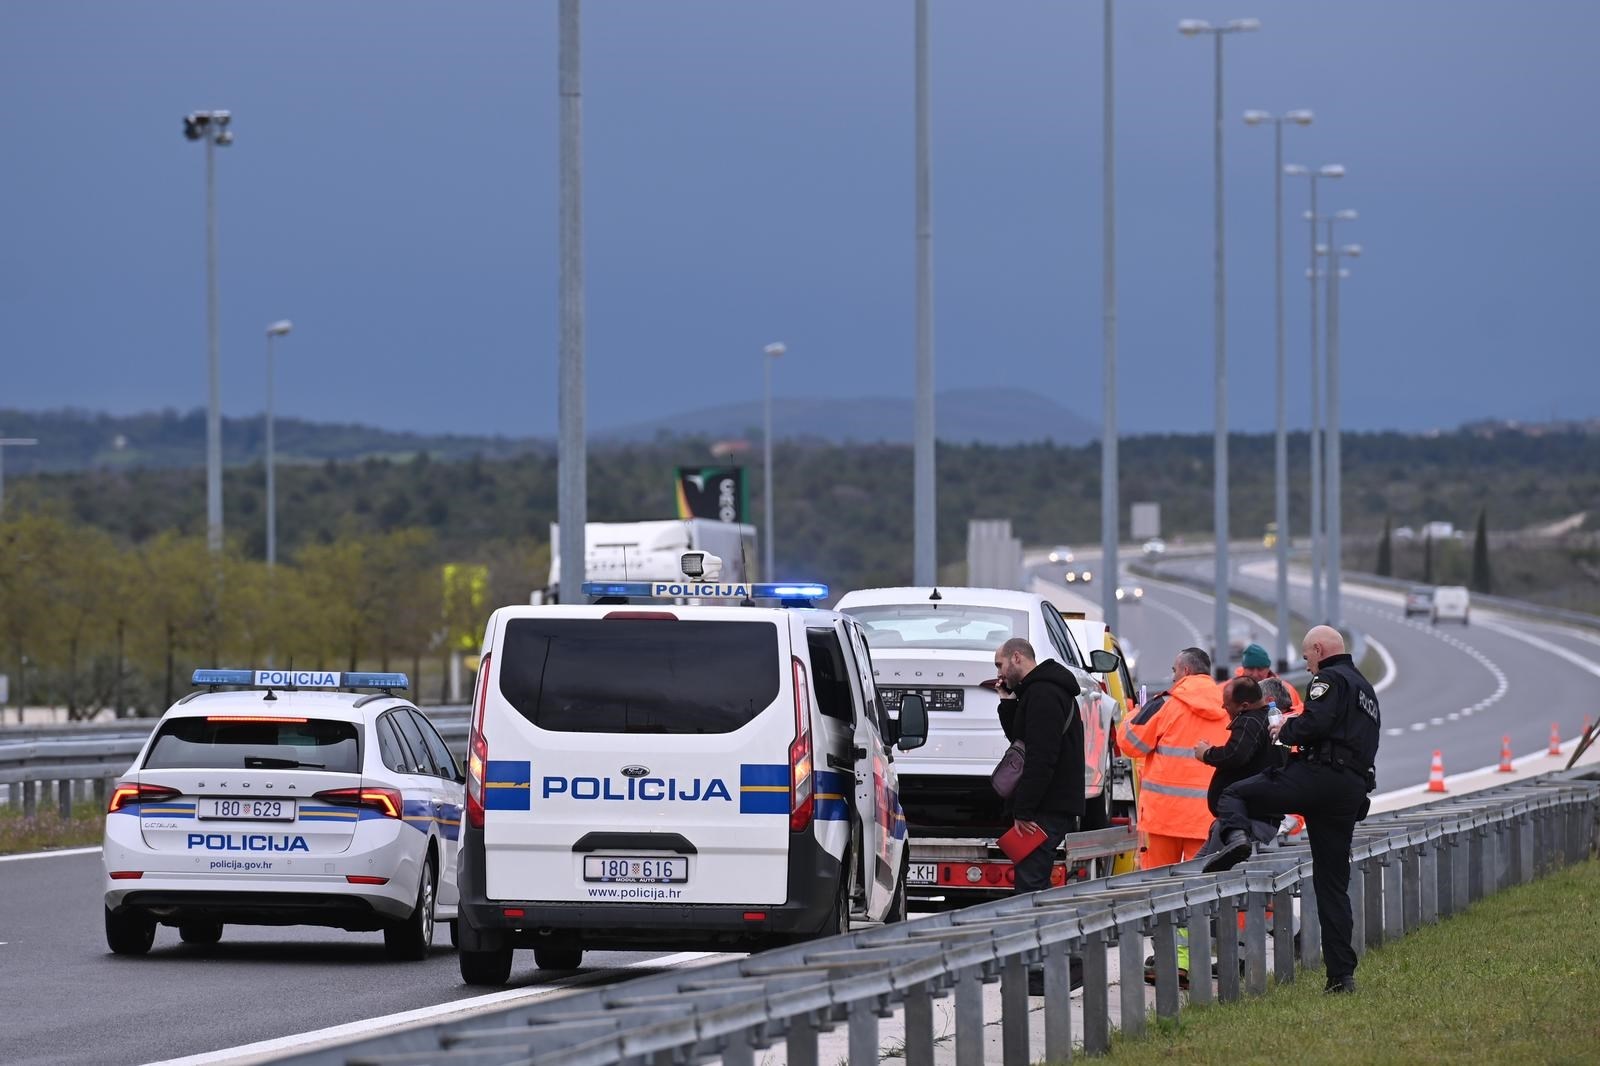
x: 625, y: 869
x: 923, y: 873
x: 246, y: 810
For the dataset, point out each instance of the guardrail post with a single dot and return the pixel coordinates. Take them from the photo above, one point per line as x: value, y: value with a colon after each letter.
x: 919, y: 1025
x: 1283, y: 934
x: 1493, y: 857
x: 30, y: 799
x: 1096, y: 995
x: 969, y: 1018
x: 1166, y: 954
x: 1428, y: 878
x: 14, y: 792
x: 1058, y: 1002
x: 1372, y: 896
x: 864, y: 1033
x: 1255, y: 943
x: 1013, y: 1012
x: 1310, y: 923
x: 738, y: 1051
x: 1394, y: 903
x: 64, y: 800
x: 1227, y: 949
x: 801, y: 1041
x: 1460, y: 863
x: 1411, y: 886
x: 1130, y: 946
x: 1358, y: 906
x: 101, y: 793
x: 1475, y: 840
x: 1522, y: 848
x: 1200, y: 947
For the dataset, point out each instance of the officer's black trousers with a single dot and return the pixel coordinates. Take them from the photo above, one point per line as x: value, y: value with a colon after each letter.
x: 1331, y: 800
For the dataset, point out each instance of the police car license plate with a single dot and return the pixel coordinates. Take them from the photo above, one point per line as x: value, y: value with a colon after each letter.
x: 246, y: 810
x: 626, y: 869
x: 922, y: 873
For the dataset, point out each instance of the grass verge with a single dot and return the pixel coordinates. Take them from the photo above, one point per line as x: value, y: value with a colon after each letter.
x: 1514, y: 980
x: 47, y: 830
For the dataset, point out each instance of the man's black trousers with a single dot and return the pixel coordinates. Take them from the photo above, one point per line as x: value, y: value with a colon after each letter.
x: 1033, y: 872
x: 1332, y: 800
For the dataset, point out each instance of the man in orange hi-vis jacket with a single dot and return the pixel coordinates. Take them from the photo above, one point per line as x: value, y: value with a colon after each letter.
x: 1173, y: 815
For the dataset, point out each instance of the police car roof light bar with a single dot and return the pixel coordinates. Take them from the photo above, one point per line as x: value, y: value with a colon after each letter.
x: 708, y: 590
x: 296, y: 679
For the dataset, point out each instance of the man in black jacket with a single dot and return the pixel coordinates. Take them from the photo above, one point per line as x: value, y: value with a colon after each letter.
x: 1039, y: 705
x: 1248, y: 752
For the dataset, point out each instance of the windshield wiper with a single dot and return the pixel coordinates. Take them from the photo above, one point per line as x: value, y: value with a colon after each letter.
x: 270, y: 762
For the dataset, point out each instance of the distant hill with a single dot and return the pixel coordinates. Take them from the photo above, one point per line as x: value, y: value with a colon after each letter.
x: 86, y: 440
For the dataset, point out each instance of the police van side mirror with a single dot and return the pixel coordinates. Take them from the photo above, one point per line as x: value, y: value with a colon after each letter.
x: 1104, y: 662
x: 913, y: 722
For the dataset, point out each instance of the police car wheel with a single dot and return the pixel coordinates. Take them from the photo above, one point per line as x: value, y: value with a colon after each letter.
x: 410, y: 938
x: 897, y: 905
x: 491, y: 968
x: 200, y: 932
x: 554, y: 958
x: 838, y: 921
x: 129, y: 933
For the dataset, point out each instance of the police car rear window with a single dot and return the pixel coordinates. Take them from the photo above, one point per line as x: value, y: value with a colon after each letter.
x: 206, y: 744
x: 946, y: 626
x: 621, y: 675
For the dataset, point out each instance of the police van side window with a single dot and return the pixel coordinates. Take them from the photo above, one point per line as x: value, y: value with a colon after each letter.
x: 390, y: 748
x: 641, y: 675
x: 857, y: 652
x: 1061, y: 636
x: 421, y: 761
x: 830, y: 676
x: 436, y: 746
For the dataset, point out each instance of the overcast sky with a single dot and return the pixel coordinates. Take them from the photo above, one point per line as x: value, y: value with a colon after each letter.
x: 748, y: 178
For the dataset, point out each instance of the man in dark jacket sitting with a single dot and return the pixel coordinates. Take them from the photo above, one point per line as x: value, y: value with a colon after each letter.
x: 1248, y: 752
x: 1039, y: 705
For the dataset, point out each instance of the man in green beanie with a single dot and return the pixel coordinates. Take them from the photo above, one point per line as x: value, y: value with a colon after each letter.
x: 1257, y: 666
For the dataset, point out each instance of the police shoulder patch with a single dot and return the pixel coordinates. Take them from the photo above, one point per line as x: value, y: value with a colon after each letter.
x: 1319, y: 689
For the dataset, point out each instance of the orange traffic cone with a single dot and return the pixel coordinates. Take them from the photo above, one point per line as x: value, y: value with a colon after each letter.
x: 1436, y: 772
x: 1555, y: 739
x: 1505, y: 756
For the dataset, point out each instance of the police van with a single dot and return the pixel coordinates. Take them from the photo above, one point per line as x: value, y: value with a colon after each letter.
x: 285, y: 797
x: 650, y: 771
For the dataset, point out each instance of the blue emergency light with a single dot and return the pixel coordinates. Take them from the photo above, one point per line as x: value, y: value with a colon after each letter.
x: 300, y: 679
x: 707, y: 590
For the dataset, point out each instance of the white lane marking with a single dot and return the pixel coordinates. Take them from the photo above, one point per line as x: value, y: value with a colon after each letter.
x: 1502, y: 683
x: 1543, y: 645
x: 267, y: 1050
x: 1178, y: 616
x: 1390, y: 671
x: 49, y: 854
x: 1241, y: 611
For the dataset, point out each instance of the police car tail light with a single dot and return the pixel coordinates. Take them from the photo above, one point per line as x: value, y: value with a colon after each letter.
x: 477, y: 750
x: 126, y: 794
x: 802, y: 793
x: 386, y: 801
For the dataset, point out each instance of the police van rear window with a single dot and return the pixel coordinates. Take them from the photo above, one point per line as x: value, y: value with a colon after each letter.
x: 211, y: 744
x: 623, y: 675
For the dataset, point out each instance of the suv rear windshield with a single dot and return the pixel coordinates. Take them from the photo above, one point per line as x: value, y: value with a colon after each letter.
x: 209, y: 744
x: 952, y: 627
x: 626, y: 675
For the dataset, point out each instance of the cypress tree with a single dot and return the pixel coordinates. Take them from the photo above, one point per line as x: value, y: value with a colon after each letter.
x: 1385, y: 556
x: 1481, y: 580
x: 1427, y: 560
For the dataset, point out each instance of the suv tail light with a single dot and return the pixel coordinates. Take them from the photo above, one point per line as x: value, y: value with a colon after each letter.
x: 802, y: 787
x: 129, y: 792
x: 386, y: 801
x: 478, y: 750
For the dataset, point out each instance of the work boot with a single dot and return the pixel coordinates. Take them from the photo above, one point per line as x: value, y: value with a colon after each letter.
x: 1338, y: 986
x: 1235, y: 849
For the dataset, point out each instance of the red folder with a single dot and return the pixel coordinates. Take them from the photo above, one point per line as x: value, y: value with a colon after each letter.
x: 1019, y: 845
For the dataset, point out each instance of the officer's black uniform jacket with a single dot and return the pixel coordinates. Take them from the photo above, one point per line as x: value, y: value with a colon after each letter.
x: 1044, y: 714
x: 1341, y: 723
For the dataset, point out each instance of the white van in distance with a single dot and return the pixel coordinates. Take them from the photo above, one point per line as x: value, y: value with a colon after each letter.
x: 1451, y: 602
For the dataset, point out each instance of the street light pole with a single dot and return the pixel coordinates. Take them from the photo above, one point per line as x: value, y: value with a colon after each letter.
x: 1281, y: 449
x: 572, y: 482
x: 1335, y: 458
x: 274, y: 331
x: 1220, y: 649
x: 212, y: 127
x: 1109, y: 505
x: 10, y: 442
x: 924, y: 483
x: 772, y: 351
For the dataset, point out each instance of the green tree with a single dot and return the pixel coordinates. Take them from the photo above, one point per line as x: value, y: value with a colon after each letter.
x: 1427, y: 560
x: 1385, y: 566
x: 1481, y: 580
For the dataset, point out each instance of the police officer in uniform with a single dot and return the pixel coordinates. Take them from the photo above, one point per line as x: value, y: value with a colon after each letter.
x: 1326, y: 781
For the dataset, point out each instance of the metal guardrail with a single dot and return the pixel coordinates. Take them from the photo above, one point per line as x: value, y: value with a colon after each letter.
x: 1408, y: 868
x: 82, y: 766
x: 1499, y: 603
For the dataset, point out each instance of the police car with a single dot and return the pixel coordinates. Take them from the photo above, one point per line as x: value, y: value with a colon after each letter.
x: 280, y: 797
x: 650, y: 771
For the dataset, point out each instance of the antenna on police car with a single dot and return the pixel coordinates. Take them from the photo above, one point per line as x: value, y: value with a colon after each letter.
x: 935, y: 596
x: 744, y: 568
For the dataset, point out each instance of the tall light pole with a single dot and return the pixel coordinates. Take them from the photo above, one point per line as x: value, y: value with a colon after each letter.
x: 278, y: 329
x: 10, y: 442
x: 1330, y: 170
x: 1109, y: 505
x: 1335, y: 458
x: 1281, y: 449
x: 772, y: 352
x: 1192, y: 28
x: 572, y: 481
x: 924, y: 503
x: 212, y: 128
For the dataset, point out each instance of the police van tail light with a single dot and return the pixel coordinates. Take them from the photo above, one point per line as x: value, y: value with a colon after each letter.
x: 802, y: 788
x: 386, y: 801
x: 128, y: 793
x: 477, y: 750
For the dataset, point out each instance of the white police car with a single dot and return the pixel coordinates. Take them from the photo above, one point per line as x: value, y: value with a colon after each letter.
x: 674, y: 775
x: 275, y: 798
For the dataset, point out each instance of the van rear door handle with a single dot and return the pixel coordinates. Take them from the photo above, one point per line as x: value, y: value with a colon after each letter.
x: 836, y: 763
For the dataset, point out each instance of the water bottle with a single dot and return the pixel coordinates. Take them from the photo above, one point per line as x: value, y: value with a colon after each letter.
x: 1274, y: 716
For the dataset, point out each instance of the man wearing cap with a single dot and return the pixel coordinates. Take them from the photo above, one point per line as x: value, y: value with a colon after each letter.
x: 1257, y: 666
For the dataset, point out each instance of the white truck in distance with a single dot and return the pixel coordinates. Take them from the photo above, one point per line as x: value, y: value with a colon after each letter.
x: 653, y: 551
